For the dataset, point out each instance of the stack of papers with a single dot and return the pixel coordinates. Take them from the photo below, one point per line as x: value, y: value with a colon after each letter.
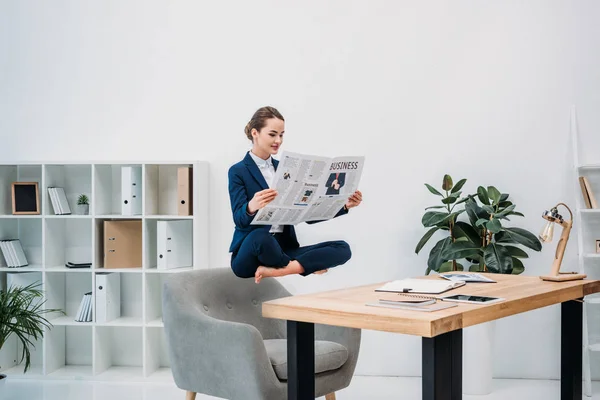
x: 13, y: 253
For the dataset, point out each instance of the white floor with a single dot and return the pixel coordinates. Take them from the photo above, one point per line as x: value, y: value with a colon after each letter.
x: 361, y: 388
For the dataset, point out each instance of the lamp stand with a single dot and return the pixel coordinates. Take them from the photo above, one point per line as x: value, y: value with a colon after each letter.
x: 555, y: 274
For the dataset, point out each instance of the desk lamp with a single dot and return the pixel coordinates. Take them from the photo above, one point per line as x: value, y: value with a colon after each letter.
x: 546, y: 235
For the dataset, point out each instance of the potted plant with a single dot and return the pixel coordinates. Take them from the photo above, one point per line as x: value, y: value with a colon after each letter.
x: 482, y: 240
x: 83, y: 205
x: 483, y: 244
x: 22, y: 314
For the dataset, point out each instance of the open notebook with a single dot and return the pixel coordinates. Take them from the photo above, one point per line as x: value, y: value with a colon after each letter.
x: 431, y: 286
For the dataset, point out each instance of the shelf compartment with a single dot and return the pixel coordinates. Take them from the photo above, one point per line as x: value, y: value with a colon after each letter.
x: 131, y: 310
x: 157, y: 356
x: 29, y: 233
x: 65, y: 291
x: 150, y: 256
x: 67, y: 240
x: 121, y: 242
x: 11, y: 353
x: 154, y: 285
x: 69, y: 351
x: 118, y: 352
x: 17, y: 173
x: 160, y: 182
x: 107, y: 188
x: 75, y: 179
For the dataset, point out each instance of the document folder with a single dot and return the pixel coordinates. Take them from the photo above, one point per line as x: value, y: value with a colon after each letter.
x: 184, y: 191
x: 131, y: 190
x: 123, y: 244
x: 174, y: 244
x: 108, y: 297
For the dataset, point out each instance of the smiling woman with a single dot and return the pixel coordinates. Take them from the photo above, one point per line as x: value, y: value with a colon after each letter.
x: 272, y: 250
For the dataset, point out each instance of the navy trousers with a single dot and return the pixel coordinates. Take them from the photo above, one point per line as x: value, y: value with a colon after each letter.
x: 262, y: 248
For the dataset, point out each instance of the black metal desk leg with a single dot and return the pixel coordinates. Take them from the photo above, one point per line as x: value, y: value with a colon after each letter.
x: 301, y: 360
x: 442, y: 367
x: 571, y: 329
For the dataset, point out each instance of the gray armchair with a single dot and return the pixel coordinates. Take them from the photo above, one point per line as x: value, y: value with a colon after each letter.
x: 220, y: 345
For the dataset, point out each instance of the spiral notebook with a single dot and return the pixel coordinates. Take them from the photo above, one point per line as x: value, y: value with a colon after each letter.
x: 428, y: 286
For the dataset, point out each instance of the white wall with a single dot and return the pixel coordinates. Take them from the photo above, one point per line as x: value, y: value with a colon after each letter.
x: 475, y: 89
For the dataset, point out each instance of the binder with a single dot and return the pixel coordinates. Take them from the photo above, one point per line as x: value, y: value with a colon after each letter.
x: 184, y: 191
x: 131, y: 190
x: 108, y: 297
x: 174, y: 244
x: 123, y: 244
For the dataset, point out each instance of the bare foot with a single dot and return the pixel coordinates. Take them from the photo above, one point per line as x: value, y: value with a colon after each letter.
x: 265, y: 272
x: 293, y: 267
x: 321, y: 272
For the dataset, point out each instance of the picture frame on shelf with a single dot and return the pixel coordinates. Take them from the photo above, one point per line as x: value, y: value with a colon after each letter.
x: 25, y: 198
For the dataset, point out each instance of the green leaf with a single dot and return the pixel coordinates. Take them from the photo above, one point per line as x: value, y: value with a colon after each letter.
x: 432, y: 218
x: 432, y: 207
x: 432, y: 190
x: 505, y: 211
x: 516, y: 213
x: 458, y: 185
x: 447, y: 183
x: 489, y: 209
x: 497, y: 259
x: 462, y: 200
x: 504, y: 204
x: 461, y: 239
x: 493, y: 226
x: 480, y: 222
x: 459, y: 250
x: 435, y: 256
x: 494, y: 194
x: 516, y: 252
x: 450, y: 199
x: 504, y: 197
x: 482, y: 194
x: 425, y: 238
x: 522, y: 236
x: 475, y: 212
x: 462, y: 229
x: 518, y: 266
x: 445, y: 267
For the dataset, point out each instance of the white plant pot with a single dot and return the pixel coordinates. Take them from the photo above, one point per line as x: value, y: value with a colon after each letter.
x: 83, y: 209
x: 477, y: 358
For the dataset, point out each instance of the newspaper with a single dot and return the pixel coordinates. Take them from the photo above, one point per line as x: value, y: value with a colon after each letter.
x: 310, y: 188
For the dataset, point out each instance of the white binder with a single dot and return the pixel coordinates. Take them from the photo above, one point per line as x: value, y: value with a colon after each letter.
x: 131, y: 190
x: 174, y: 244
x: 108, y: 297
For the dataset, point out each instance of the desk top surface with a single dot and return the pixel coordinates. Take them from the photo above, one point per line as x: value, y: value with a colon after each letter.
x: 347, y: 307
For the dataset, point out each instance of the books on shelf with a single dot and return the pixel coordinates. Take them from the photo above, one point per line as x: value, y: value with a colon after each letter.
x: 432, y: 286
x: 60, y: 205
x: 587, y: 192
x: 84, y: 313
x: 13, y: 253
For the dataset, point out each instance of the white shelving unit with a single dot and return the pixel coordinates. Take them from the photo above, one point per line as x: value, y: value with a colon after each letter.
x: 588, y: 230
x: 132, y: 347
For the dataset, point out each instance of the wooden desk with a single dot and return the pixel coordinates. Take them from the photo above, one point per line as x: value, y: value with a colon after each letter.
x: 441, y: 330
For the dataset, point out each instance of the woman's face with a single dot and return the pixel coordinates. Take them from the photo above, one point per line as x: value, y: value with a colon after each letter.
x: 269, y: 139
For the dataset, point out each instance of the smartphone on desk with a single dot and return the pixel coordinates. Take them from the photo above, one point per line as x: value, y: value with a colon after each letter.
x: 467, y: 298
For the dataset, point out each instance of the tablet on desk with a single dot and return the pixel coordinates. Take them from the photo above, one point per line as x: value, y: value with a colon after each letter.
x: 467, y: 298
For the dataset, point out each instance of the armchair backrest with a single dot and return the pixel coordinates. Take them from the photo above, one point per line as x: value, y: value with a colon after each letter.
x: 219, y: 294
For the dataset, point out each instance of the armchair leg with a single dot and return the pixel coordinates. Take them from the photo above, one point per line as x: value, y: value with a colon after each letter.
x: 330, y: 396
x: 190, y: 396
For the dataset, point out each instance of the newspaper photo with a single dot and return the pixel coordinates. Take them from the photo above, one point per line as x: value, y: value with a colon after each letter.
x: 310, y: 188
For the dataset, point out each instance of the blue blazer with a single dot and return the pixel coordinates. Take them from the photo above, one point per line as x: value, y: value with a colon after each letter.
x: 245, y: 179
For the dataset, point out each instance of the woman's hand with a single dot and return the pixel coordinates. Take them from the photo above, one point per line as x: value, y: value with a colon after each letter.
x: 261, y: 199
x: 354, y: 200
